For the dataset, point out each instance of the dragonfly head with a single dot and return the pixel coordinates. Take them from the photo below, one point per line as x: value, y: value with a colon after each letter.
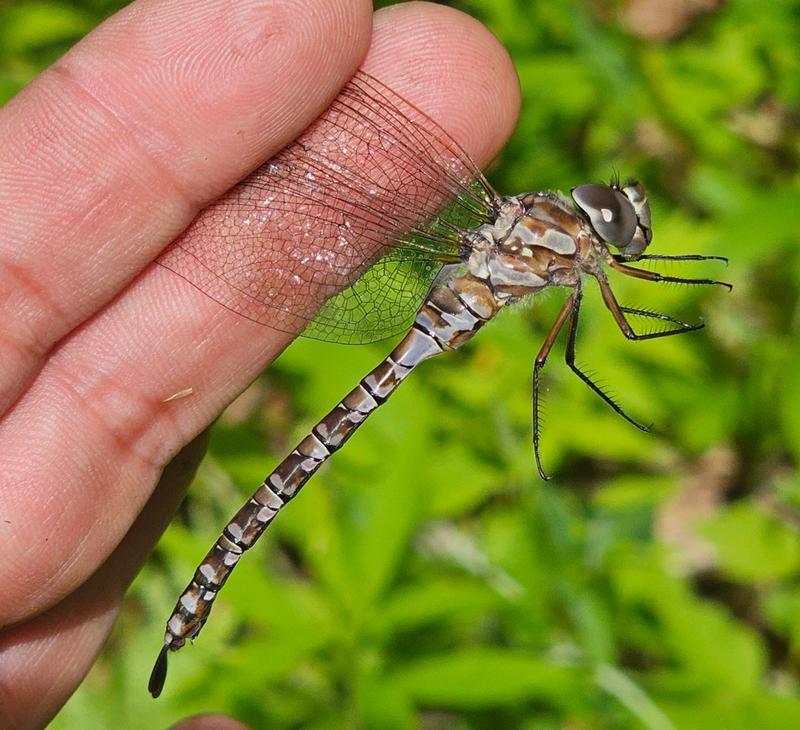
x: 619, y: 215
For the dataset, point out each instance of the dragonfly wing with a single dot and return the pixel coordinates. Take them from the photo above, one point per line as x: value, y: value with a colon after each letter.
x: 384, y: 300
x: 372, y: 175
x: 381, y: 303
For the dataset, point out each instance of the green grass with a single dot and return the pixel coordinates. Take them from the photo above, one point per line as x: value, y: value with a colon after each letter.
x: 426, y: 577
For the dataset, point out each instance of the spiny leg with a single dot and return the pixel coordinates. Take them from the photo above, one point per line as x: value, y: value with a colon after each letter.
x: 570, y: 359
x: 571, y: 309
x: 682, y: 326
x: 618, y: 313
x: 655, y: 276
x: 541, y: 358
x: 681, y: 257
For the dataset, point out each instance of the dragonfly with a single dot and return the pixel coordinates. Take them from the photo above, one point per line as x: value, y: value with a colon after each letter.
x: 378, y: 212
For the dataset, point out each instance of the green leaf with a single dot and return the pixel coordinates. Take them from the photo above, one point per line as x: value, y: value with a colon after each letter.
x: 753, y: 545
x: 435, y: 600
x: 30, y: 25
x: 484, y: 678
x: 633, y: 697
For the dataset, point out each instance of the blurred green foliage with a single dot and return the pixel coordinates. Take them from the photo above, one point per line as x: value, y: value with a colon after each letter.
x: 426, y: 577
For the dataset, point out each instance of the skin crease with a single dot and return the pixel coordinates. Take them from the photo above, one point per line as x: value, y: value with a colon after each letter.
x: 103, y: 161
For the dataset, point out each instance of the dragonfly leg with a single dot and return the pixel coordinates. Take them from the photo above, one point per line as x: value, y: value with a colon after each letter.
x: 570, y: 359
x: 618, y: 313
x: 682, y: 326
x: 655, y: 276
x: 681, y: 257
x: 541, y: 358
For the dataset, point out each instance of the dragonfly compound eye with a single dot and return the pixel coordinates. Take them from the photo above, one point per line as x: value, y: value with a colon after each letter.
x: 611, y: 213
x: 634, y: 191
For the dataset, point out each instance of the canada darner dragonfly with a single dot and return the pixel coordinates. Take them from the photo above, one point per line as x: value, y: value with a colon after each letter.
x: 371, y: 209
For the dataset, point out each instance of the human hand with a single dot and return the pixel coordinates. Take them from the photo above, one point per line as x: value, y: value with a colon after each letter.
x: 104, y: 159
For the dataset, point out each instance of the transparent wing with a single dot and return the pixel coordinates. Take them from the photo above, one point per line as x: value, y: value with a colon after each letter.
x: 381, y: 303
x: 372, y: 181
x: 384, y: 300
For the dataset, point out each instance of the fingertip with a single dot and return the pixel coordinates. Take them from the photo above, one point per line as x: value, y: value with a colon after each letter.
x: 209, y: 722
x: 453, y: 68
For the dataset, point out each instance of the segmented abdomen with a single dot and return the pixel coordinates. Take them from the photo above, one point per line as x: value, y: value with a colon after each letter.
x: 451, y: 315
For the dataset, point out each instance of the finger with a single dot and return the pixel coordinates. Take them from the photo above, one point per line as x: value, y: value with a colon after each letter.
x: 164, y: 336
x: 113, y: 150
x: 209, y: 722
x: 45, y: 658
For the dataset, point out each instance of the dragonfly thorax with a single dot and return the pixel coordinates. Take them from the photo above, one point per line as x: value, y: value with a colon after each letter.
x: 541, y: 239
x: 536, y: 240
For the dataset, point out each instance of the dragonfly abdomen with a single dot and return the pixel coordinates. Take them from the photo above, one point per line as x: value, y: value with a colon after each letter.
x: 450, y: 316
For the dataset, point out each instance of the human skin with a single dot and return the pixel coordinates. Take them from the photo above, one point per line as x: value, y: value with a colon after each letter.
x: 104, y: 159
